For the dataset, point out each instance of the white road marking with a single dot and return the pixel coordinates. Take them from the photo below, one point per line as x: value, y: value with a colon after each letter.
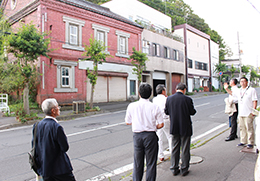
x: 208, y: 132
x: 130, y: 166
x: 202, y: 104
x: 90, y: 130
x: 112, y: 173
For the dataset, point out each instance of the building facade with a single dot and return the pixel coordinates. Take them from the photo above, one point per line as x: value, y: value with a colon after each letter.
x: 198, y: 56
x: 214, y: 47
x: 165, y: 51
x: 70, y: 24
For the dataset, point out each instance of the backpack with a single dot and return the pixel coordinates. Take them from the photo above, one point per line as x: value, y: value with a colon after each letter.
x: 31, y: 154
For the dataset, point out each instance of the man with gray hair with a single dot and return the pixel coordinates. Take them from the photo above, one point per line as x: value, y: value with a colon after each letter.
x: 51, y: 146
x: 180, y: 108
x: 160, y: 100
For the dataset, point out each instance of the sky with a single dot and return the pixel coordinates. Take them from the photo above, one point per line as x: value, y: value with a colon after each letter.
x: 231, y: 18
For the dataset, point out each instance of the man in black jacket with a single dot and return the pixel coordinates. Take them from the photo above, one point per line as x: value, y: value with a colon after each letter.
x: 180, y: 108
x: 52, y: 145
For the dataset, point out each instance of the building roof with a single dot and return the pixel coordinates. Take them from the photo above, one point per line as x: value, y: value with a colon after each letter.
x: 99, y: 9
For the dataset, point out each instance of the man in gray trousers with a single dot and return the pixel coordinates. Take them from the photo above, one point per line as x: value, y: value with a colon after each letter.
x: 180, y: 108
x: 145, y: 118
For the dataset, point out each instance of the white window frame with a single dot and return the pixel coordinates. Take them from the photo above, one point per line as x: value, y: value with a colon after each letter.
x: 146, y: 47
x: 73, y: 35
x: 120, y: 35
x: 105, y: 30
x: 68, y: 22
x: 71, y: 65
x: 65, y: 76
x: 13, y: 4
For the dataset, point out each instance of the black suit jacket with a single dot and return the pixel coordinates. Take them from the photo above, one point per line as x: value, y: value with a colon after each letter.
x: 180, y: 108
x: 51, y: 148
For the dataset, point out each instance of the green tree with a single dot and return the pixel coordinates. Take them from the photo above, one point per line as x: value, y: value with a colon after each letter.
x: 245, y: 69
x: 96, y: 53
x: 233, y: 70
x: 27, y: 45
x: 139, y: 62
x: 221, y: 67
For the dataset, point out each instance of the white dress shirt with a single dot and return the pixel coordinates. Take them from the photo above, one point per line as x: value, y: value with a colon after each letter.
x: 235, y: 92
x: 245, y: 101
x: 160, y: 100
x: 143, y: 115
x: 50, y: 117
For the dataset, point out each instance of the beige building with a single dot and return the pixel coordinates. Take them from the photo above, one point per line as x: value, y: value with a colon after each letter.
x: 165, y: 50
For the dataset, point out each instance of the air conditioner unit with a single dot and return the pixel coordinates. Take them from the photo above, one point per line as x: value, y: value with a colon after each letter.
x: 78, y: 106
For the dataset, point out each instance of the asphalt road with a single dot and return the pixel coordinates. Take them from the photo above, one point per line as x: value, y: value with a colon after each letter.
x: 101, y: 144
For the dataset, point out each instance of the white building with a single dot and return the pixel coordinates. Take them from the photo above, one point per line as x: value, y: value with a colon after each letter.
x: 214, y: 47
x: 198, y: 58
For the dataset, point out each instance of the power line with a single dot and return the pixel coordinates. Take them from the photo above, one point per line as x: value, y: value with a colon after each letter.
x: 253, y: 6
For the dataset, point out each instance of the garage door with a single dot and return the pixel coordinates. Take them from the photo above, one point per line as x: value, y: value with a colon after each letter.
x: 100, y: 92
x: 117, y: 89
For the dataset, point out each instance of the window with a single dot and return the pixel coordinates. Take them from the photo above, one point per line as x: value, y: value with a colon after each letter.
x: 189, y: 63
x: 146, y: 47
x: 166, y: 52
x: 100, y: 33
x: 73, y: 33
x: 156, y: 49
x: 122, y: 44
x: 176, y: 55
x: 13, y: 4
x: 132, y: 87
x: 101, y: 37
x: 201, y: 66
x: 65, y: 76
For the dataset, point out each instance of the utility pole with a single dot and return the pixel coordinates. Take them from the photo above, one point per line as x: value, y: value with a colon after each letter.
x: 239, y: 58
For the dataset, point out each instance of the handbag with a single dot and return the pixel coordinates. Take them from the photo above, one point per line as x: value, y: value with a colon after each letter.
x: 31, y: 154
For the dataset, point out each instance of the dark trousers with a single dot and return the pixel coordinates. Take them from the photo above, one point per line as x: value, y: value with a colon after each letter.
x: 63, y: 177
x: 179, y: 142
x: 145, y: 146
x: 233, y: 131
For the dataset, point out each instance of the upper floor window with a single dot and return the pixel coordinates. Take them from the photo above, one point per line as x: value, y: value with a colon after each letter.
x: 189, y: 63
x: 166, y: 52
x: 175, y: 55
x: 146, y: 47
x: 156, y: 49
x: 73, y: 33
x: 13, y: 4
x: 100, y: 34
x: 201, y: 66
x: 122, y: 44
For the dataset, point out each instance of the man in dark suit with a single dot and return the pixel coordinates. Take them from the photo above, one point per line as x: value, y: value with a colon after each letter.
x: 51, y: 146
x: 180, y: 108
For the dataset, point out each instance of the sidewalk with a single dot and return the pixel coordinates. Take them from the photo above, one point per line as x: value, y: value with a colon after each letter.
x: 221, y: 161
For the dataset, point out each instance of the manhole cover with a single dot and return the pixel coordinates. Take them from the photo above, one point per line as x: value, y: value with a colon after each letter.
x: 195, y: 159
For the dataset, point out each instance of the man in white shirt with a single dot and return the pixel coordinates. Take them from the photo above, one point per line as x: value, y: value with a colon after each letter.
x: 160, y: 100
x: 145, y: 118
x: 247, y: 101
x: 234, y: 99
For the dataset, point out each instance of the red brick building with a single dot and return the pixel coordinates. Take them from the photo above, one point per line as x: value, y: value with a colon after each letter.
x: 70, y: 24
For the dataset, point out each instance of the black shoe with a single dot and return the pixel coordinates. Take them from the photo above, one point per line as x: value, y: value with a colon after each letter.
x: 241, y: 144
x: 229, y: 138
x: 185, y: 173
x: 249, y: 146
x: 236, y: 136
x: 176, y: 172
